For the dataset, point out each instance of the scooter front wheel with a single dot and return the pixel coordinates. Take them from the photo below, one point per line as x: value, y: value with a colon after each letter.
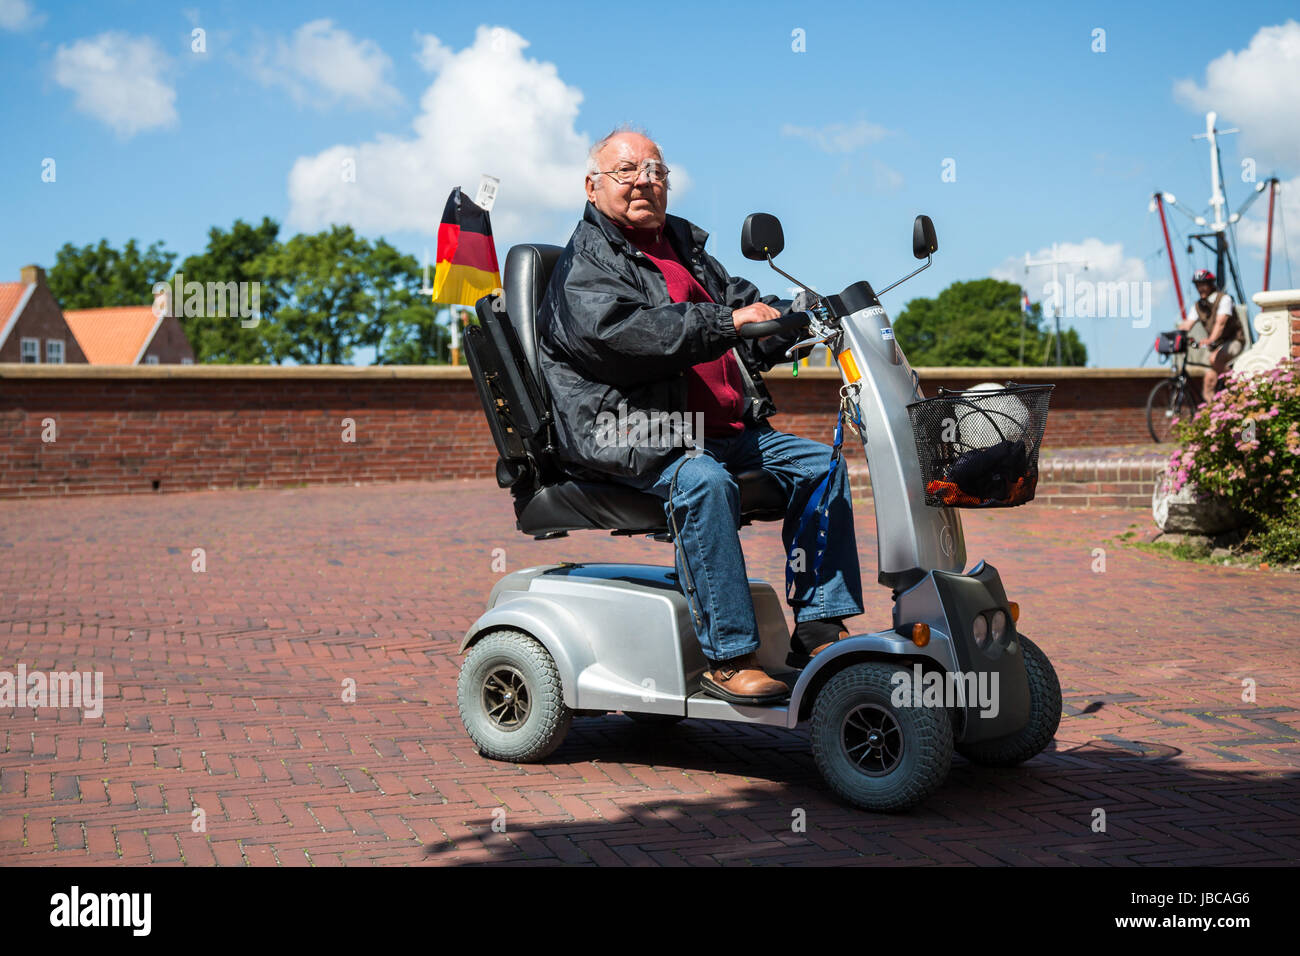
x: 874, y: 754
x: 511, y: 698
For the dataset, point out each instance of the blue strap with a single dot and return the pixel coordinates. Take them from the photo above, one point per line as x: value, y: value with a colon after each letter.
x: 819, y: 504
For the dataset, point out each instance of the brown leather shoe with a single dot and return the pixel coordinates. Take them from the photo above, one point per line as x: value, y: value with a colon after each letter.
x: 821, y: 647
x: 742, y: 681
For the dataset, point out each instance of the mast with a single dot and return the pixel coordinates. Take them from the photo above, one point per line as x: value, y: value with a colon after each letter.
x: 1268, y: 241
x: 1217, y: 202
x: 1169, y: 250
x: 1222, y: 254
x: 1055, y: 262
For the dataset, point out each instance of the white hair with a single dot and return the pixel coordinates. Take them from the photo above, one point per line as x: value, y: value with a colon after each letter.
x: 593, y: 162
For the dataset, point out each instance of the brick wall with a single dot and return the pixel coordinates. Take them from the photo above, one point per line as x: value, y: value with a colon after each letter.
x: 184, y: 428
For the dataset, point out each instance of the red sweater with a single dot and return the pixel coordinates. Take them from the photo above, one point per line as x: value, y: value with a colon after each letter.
x: 714, y: 388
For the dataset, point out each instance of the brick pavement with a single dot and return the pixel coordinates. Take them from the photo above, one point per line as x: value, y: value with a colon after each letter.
x: 223, y: 692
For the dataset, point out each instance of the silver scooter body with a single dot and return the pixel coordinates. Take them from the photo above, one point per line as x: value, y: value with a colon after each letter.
x: 622, y: 636
x: 910, y: 534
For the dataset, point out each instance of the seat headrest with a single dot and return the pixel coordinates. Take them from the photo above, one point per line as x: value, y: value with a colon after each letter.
x: 528, y: 270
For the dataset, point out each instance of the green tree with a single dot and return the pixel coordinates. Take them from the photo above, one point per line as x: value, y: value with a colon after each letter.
x: 405, y: 320
x: 418, y: 337
x: 979, y: 323
x: 230, y: 256
x: 97, y: 276
x: 335, y: 292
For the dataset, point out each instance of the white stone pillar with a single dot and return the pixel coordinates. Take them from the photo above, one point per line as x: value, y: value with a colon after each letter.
x: 1278, y: 308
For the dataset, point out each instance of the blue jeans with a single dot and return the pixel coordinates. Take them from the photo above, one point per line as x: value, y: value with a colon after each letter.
x: 707, y: 508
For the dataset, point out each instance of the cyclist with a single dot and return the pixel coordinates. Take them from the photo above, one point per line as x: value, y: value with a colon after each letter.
x: 1216, y: 312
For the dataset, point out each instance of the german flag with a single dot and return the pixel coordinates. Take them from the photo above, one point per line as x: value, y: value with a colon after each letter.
x: 467, y: 258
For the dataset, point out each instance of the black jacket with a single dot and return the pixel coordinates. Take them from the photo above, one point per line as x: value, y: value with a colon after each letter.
x: 612, y: 341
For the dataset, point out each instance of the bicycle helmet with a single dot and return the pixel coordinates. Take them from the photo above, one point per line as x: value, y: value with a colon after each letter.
x: 1203, y: 275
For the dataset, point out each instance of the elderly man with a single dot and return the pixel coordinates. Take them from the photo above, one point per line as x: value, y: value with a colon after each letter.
x: 639, y: 323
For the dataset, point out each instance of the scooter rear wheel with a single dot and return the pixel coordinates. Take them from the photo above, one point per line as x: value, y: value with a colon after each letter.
x: 511, y: 698
x: 873, y: 754
x: 1044, y: 716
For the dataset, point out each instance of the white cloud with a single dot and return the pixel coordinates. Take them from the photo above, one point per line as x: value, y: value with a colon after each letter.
x: 854, y: 177
x: 118, y: 79
x: 838, y: 137
x: 488, y: 110
x: 886, y: 178
x: 1105, y: 263
x: 19, y: 15
x: 1257, y: 89
x: 432, y: 55
x: 322, y: 65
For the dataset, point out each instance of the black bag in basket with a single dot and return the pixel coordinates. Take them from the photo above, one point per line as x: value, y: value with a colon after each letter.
x: 991, y: 473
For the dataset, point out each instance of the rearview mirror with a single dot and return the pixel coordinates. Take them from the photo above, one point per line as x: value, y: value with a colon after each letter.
x: 924, y: 241
x: 761, y: 236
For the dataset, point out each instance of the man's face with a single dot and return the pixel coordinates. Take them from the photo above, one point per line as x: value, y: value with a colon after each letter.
x: 640, y: 204
x: 1204, y: 289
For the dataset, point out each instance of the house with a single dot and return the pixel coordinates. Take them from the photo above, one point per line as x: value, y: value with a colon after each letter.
x: 32, y: 326
x: 130, y: 335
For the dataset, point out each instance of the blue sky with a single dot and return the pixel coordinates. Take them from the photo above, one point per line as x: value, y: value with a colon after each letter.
x: 846, y: 141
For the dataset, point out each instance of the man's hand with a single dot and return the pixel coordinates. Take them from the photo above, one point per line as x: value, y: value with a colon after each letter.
x: 758, y: 312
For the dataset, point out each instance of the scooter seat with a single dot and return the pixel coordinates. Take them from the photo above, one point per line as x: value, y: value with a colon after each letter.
x: 601, y: 505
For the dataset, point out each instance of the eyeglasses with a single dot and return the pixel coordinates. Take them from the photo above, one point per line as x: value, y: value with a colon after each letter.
x: 655, y: 171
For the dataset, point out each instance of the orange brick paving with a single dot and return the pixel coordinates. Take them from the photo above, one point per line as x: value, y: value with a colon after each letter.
x: 223, y: 692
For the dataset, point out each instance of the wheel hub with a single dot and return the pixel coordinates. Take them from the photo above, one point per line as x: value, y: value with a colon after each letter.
x: 505, y: 697
x: 872, y: 740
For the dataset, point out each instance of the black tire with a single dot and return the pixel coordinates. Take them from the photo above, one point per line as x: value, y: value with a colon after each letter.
x: 882, y: 777
x: 511, y: 699
x: 654, y: 720
x: 1165, y: 403
x: 1044, y: 716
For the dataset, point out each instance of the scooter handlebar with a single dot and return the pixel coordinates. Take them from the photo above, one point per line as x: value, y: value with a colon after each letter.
x: 790, y: 322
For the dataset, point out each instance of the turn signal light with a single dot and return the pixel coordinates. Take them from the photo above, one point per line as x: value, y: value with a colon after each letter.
x: 920, y: 634
x: 1014, y: 609
x: 848, y: 366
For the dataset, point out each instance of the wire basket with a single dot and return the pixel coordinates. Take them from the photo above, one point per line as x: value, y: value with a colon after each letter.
x: 979, y: 449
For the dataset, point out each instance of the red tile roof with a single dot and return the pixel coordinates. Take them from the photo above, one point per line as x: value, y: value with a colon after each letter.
x: 10, y: 294
x: 113, y: 336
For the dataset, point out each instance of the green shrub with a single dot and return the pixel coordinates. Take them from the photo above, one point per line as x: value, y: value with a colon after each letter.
x: 1244, y: 447
x: 1279, y: 538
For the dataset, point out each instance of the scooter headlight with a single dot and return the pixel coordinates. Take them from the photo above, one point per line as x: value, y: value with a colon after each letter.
x: 980, y: 630
x: 999, y: 625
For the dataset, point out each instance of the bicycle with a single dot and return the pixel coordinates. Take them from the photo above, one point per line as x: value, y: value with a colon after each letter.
x: 1175, y: 398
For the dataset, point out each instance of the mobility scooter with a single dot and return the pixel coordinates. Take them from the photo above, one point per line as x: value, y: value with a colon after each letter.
x: 885, y: 709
